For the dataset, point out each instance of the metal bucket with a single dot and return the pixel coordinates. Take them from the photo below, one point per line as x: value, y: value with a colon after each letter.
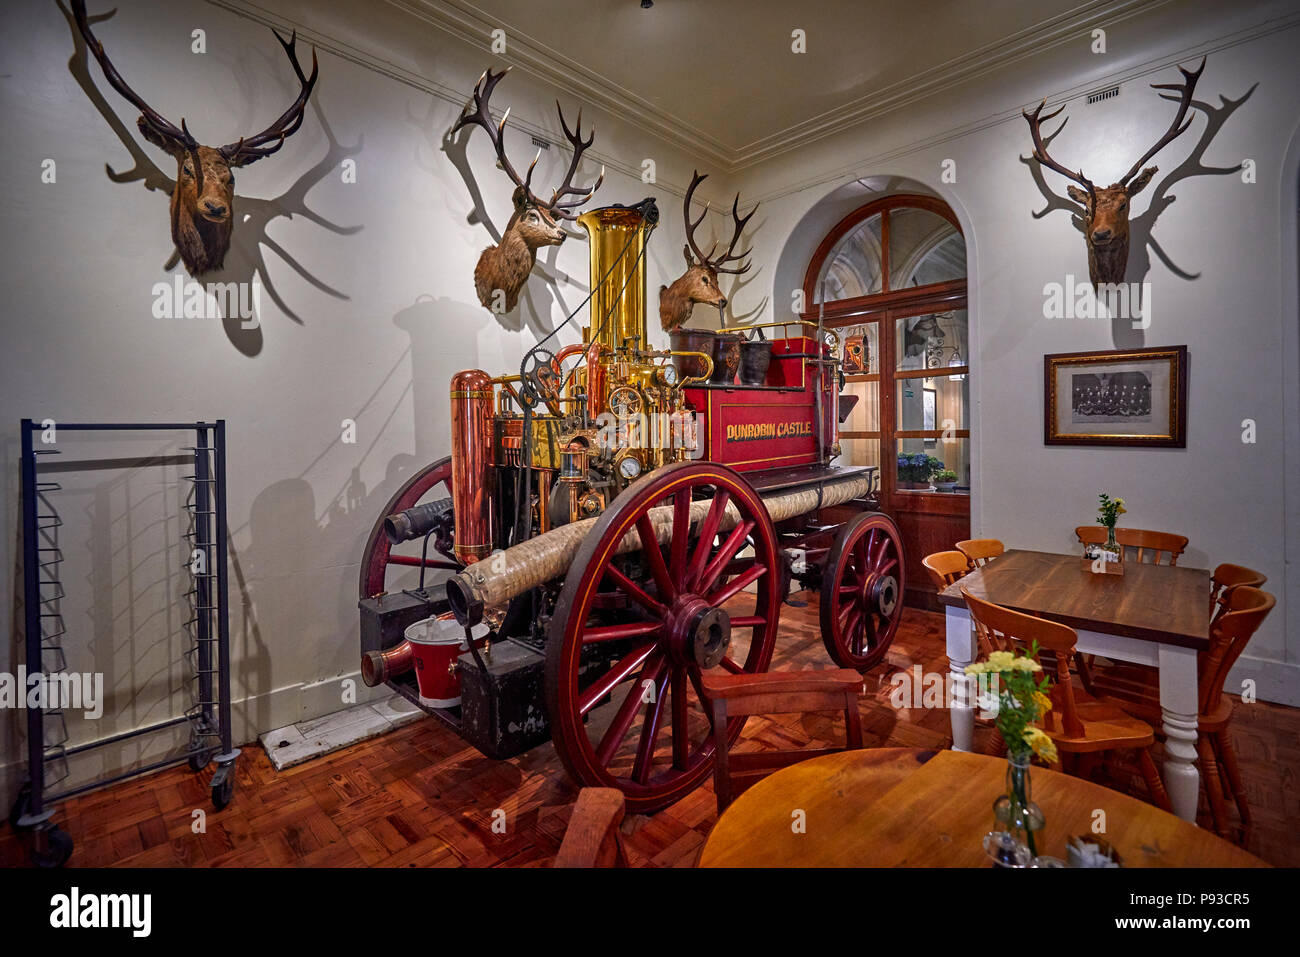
x: 755, y: 357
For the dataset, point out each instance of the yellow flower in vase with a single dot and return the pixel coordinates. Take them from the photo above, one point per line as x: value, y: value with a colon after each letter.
x: 1041, y: 744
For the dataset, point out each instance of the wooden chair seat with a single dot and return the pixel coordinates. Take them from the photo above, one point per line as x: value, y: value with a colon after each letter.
x: 782, y: 692
x: 1105, y: 727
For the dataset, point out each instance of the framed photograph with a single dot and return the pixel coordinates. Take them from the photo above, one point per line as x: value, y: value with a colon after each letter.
x: 1128, y: 397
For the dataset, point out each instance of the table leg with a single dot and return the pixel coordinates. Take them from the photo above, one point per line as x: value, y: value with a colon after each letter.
x: 1178, y: 704
x: 961, y: 652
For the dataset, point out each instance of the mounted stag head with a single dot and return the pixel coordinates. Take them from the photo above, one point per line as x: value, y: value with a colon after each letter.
x: 1106, y: 209
x: 503, y: 269
x: 700, y: 281
x: 202, y: 206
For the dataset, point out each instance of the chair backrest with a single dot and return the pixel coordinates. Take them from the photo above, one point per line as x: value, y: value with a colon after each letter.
x: 1227, y: 577
x: 1144, y: 541
x: 1157, y: 543
x: 1244, y: 609
x: 981, y: 551
x: 774, y: 692
x: 592, y: 838
x: 946, y: 567
x: 1020, y: 631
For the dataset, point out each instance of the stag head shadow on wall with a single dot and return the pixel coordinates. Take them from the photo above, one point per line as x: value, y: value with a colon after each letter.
x: 250, y: 237
x: 1141, y: 238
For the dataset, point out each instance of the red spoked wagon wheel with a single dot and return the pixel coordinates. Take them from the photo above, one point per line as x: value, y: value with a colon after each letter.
x: 862, y: 591
x: 640, y: 724
x: 432, y: 482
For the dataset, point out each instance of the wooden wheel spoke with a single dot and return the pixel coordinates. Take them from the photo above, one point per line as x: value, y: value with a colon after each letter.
x: 889, y: 566
x: 736, y: 585
x: 645, y: 751
x: 728, y: 664
x: 612, y: 678
x: 746, y: 621
x: 681, y: 533
x: 704, y: 547
x: 632, y: 629
x: 635, y: 592
x: 622, y: 723
x: 655, y: 557
x: 851, y: 630
x: 735, y: 541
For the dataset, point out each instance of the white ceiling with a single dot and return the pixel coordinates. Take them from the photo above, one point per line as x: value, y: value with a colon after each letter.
x: 719, y: 76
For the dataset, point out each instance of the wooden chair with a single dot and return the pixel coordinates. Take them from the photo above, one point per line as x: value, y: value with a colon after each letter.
x: 592, y: 838
x: 1157, y: 543
x: 1079, y: 728
x: 981, y: 551
x: 1227, y: 577
x: 775, y: 692
x: 946, y: 567
x: 1137, y: 691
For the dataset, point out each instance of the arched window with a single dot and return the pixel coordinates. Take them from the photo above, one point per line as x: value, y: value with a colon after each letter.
x: 891, y: 279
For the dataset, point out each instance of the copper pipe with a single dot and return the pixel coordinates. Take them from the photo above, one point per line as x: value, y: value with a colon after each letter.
x: 471, y: 459
x: 380, y: 666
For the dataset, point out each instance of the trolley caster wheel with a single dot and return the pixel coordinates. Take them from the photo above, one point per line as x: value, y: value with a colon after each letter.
x: 223, y: 793
x: 53, y: 848
x: 200, y: 760
x: 22, y: 807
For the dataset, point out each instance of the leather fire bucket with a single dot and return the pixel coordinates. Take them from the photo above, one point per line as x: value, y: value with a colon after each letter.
x: 436, y: 643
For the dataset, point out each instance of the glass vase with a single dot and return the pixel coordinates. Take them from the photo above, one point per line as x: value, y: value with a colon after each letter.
x: 1111, y: 545
x: 1014, y: 812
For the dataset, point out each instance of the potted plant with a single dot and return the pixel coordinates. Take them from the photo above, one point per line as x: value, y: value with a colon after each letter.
x: 914, y: 469
x: 945, y: 480
x: 1108, y: 514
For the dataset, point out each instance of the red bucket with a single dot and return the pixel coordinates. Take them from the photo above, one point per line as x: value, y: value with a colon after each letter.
x: 436, y: 643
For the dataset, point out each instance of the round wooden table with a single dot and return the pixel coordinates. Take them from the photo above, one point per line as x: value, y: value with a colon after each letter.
x: 893, y: 807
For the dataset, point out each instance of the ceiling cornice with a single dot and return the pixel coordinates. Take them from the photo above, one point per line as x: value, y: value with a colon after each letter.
x: 467, y: 22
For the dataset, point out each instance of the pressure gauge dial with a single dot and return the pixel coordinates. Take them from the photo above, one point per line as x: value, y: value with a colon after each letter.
x: 628, y: 467
x: 668, y: 374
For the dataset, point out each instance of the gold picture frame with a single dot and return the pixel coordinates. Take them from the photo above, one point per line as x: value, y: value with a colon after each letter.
x: 1134, y: 398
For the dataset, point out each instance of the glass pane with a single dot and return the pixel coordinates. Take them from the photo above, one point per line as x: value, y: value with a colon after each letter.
x: 865, y: 414
x: 854, y: 266
x: 860, y: 346
x: 921, y: 466
x: 937, y: 403
x: 923, y: 248
x: 931, y: 341
x: 860, y: 452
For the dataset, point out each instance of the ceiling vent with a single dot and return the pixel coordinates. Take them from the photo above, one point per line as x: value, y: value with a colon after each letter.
x: 1103, y: 95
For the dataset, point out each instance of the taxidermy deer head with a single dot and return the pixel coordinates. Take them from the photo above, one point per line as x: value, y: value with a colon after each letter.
x: 202, y: 206
x: 700, y: 281
x: 1106, y: 209
x: 503, y: 269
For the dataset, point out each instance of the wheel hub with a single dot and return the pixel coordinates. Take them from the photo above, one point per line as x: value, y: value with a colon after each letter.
x: 699, y: 634
x: 883, y: 592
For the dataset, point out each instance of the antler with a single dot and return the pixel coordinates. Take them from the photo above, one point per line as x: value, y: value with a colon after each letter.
x: 566, y: 188
x: 477, y: 113
x: 156, y: 129
x: 706, y: 259
x: 1178, y: 127
x: 1040, y: 151
x: 250, y: 149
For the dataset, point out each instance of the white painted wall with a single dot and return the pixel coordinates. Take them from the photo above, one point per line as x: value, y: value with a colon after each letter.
x: 365, y: 319
x: 1238, y: 316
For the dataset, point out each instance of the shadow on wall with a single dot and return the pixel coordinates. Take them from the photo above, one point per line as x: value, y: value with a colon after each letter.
x: 298, y: 569
x: 253, y: 217
x: 1142, y: 241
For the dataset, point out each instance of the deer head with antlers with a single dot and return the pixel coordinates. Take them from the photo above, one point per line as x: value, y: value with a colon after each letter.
x: 502, y: 269
x: 203, y: 199
x: 1106, y: 209
x: 700, y: 281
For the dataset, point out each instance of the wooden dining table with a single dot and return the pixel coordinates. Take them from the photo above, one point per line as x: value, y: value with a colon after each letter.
x: 1152, y: 614
x: 901, y: 807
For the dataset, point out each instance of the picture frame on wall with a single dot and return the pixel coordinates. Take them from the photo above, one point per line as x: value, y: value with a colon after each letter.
x: 1133, y: 398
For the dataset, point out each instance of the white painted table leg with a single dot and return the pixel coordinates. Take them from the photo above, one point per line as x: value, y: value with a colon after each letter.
x: 1178, y: 703
x: 961, y: 652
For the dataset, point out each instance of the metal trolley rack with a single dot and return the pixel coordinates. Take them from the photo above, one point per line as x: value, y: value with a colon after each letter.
x: 207, y: 624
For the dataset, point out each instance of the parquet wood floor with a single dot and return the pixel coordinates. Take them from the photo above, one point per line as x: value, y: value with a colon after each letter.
x: 420, y: 797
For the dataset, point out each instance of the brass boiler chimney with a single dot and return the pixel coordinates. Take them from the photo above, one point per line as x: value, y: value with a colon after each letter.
x: 617, y: 236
